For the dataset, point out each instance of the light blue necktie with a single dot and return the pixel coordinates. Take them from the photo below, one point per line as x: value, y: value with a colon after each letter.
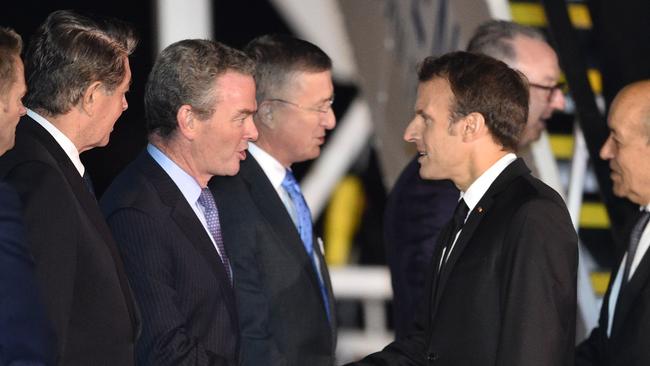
x: 304, y: 227
x: 206, y: 200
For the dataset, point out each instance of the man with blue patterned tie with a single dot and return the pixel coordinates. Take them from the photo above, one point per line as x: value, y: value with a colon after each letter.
x: 199, y: 103
x: 285, y: 301
x: 621, y: 337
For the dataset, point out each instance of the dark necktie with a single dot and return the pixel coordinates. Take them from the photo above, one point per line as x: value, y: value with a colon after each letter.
x: 458, y: 220
x: 304, y: 227
x: 212, y: 219
x: 88, y: 182
x: 635, y: 238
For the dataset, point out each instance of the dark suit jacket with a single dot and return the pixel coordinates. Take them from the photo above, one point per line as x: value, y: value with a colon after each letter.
x: 416, y: 211
x: 187, y: 303
x: 507, y: 294
x: 25, y: 332
x: 78, y: 268
x: 281, y: 311
x: 628, y: 343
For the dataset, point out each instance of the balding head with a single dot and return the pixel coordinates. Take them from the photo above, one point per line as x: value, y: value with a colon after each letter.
x: 628, y: 146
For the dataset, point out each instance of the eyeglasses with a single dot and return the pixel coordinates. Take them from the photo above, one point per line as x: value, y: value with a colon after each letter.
x: 558, y: 87
x: 326, y: 107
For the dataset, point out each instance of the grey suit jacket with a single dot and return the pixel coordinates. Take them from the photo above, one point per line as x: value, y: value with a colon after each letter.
x: 281, y: 310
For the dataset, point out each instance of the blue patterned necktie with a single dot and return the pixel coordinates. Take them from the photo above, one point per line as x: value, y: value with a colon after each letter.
x: 212, y: 219
x: 304, y: 227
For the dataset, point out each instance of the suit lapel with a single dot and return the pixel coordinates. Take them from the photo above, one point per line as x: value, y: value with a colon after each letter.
x: 89, y: 204
x: 187, y: 221
x: 269, y: 203
x: 629, y: 293
x: 515, y: 169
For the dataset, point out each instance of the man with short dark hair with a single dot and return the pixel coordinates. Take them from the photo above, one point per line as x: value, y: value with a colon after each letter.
x: 417, y: 208
x: 199, y: 103
x: 501, y: 289
x: 77, y: 71
x: 285, y: 300
x: 25, y: 336
x: 621, y: 337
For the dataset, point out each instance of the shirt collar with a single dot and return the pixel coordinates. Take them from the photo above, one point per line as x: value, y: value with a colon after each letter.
x: 478, y: 188
x: 188, y: 186
x: 270, y: 165
x: 66, y: 144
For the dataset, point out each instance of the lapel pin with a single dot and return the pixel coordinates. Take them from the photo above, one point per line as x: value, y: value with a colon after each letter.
x: 479, y: 209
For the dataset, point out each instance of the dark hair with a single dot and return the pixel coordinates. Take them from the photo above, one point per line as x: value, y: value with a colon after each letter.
x: 67, y: 53
x: 277, y: 57
x: 185, y: 73
x: 494, y: 38
x: 484, y: 85
x: 10, y: 47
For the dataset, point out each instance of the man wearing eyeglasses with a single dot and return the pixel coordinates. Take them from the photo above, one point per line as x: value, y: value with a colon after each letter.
x: 285, y: 301
x: 417, y: 209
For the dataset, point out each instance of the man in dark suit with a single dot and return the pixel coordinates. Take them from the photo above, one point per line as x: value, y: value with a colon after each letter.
x: 417, y: 208
x: 621, y: 337
x: 25, y: 337
x: 284, y: 295
x: 502, y: 283
x: 199, y: 101
x: 77, y: 71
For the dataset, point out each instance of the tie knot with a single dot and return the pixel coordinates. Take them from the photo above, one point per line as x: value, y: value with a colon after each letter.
x: 206, y: 200
x: 460, y: 213
x: 289, y: 182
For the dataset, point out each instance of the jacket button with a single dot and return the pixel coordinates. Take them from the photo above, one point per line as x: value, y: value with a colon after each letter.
x: 433, y: 356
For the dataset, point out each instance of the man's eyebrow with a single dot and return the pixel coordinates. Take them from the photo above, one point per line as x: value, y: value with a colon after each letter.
x: 246, y: 112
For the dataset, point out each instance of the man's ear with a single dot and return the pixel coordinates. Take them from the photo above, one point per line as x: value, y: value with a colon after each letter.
x: 90, y: 98
x: 186, y: 121
x: 473, y: 127
x: 264, y: 114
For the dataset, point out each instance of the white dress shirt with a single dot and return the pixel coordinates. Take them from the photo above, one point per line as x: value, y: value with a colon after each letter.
x: 644, y: 243
x: 477, y: 189
x: 275, y: 172
x: 61, y: 139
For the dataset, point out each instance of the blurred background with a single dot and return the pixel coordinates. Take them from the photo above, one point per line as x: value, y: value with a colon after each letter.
x: 375, y: 46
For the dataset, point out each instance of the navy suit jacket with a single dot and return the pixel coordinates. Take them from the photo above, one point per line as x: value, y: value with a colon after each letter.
x: 507, y: 293
x: 187, y: 302
x: 282, y: 314
x: 78, y: 268
x: 25, y: 333
x: 416, y: 211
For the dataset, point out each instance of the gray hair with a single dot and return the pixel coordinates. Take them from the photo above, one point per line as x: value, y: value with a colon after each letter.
x: 67, y: 53
x: 494, y: 38
x: 185, y: 73
x: 278, y: 57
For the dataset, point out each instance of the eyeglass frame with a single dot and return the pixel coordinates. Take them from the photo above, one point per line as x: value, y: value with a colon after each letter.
x: 329, y: 102
x: 551, y: 89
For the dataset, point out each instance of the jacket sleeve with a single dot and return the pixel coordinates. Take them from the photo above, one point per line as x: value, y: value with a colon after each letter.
x: 539, y: 289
